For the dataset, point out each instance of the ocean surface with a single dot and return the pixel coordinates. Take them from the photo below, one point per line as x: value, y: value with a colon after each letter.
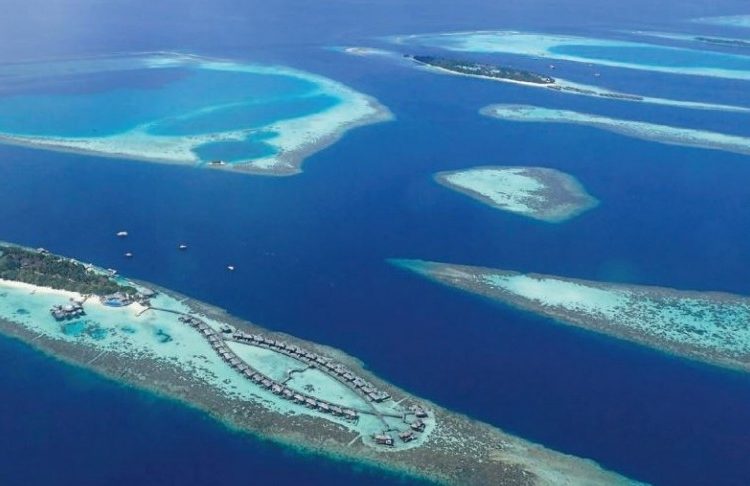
x: 311, y: 250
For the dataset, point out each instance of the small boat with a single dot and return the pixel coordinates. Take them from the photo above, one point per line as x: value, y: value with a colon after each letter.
x: 122, y: 234
x: 230, y: 268
x: 128, y: 255
x: 183, y: 247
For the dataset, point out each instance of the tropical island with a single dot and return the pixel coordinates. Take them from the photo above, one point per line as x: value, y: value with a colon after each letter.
x: 711, y: 327
x: 267, y: 383
x: 536, y: 192
x: 589, y: 50
x: 482, y: 70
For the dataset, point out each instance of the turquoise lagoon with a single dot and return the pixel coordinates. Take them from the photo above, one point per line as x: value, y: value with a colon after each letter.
x: 616, y: 53
x: 179, y: 109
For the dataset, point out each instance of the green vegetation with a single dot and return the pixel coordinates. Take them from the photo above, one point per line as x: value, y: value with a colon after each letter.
x: 487, y: 70
x: 44, y: 269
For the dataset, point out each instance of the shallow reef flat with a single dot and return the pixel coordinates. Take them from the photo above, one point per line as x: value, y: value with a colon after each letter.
x: 536, y: 192
x: 270, y: 384
x: 605, y: 52
x: 707, y: 326
x: 742, y: 21
x: 559, y: 85
x: 181, y: 109
x: 687, y: 137
x: 714, y: 40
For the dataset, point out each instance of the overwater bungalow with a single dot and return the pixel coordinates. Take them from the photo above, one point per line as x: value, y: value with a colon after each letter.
x: 336, y: 410
x: 118, y: 299
x: 299, y: 398
x: 350, y: 414
x: 276, y: 389
x: 287, y: 393
x: 418, y: 425
x: 310, y: 403
x: 67, y: 311
x: 418, y: 411
x: 407, y: 436
x: 384, y: 439
x: 324, y: 407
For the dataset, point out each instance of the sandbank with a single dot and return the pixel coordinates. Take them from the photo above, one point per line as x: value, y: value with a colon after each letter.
x: 666, y: 134
x: 540, y: 193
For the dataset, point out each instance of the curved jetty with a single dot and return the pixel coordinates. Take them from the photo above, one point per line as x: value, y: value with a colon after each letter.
x: 180, y: 109
x: 707, y: 326
x: 605, y: 52
x: 264, y: 382
x: 687, y: 137
x: 537, y: 192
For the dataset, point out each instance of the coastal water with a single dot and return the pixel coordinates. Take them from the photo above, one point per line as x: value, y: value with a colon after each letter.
x: 310, y: 255
x: 655, y: 56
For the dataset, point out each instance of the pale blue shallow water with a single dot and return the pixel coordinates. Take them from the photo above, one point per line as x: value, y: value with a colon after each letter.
x: 656, y: 56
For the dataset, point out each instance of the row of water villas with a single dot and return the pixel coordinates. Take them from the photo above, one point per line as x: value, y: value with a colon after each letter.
x: 336, y: 370
x: 341, y: 373
x: 217, y: 343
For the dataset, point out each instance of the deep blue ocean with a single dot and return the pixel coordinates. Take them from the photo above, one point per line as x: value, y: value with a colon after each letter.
x: 311, y: 250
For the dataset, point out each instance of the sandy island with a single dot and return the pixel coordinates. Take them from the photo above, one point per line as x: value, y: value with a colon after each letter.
x: 200, y: 355
x: 536, y: 192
